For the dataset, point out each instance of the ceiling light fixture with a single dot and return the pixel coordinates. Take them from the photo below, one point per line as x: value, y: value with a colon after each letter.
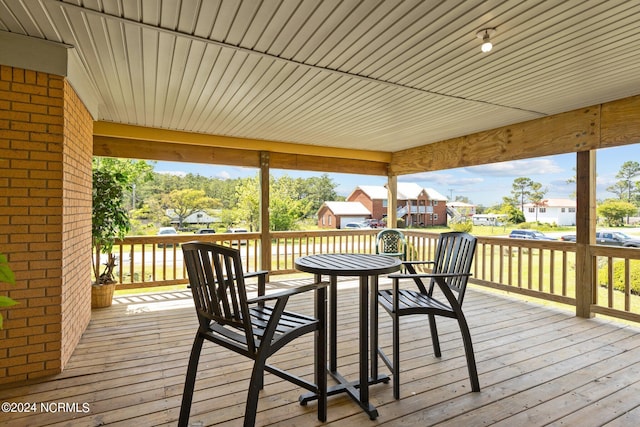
x: 485, y: 35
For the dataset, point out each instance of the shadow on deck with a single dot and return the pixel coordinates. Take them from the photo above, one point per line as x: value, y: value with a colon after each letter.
x: 537, y: 366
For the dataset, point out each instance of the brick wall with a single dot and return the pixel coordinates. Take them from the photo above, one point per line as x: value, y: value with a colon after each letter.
x: 76, y: 221
x: 34, y: 233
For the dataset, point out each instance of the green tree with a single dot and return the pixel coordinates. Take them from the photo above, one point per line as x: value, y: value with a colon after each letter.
x: 626, y: 188
x: 247, y: 209
x: 315, y: 191
x: 524, y: 189
x: 614, y: 211
x: 186, y: 202
x: 537, y: 195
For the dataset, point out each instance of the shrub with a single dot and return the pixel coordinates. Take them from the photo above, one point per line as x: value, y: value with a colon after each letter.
x: 464, y: 226
x: 618, y: 276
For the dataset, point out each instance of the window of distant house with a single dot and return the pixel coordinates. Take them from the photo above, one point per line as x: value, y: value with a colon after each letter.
x: 414, y: 203
x: 421, y: 202
x: 330, y: 217
x: 323, y: 220
x: 434, y: 203
x: 562, y: 210
x: 572, y: 210
x: 532, y: 210
x: 384, y: 203
x: 435, y: 217
x: 543, y: 210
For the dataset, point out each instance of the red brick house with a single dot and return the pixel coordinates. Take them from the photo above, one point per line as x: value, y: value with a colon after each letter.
x: 417, y: 206
x: 338, y: 214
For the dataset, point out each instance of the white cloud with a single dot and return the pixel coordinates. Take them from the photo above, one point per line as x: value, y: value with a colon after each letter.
x: 518, y: 168
x: 224, y: 175
x: 176, y: 173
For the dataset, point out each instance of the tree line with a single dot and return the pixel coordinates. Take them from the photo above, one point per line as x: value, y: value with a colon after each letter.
x: 149, y: 196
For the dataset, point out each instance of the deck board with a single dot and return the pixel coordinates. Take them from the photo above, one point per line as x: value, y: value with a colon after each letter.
x: 537, y: 366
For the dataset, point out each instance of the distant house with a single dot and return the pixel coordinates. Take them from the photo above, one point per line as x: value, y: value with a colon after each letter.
x: 460, y: 211
x: 417, y: 206
x: 197, y: 218
x: 551, y: 211
x: 338, y: 214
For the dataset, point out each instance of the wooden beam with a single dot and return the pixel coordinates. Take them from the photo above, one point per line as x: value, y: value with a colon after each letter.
x: 620, y: 123
x: 392, y: 201
x: 327, y: 164
x: 130, y: 132
x: 155, y: 150
x: 585, y: 231
x: 573, y: 131
x: 265, y: 237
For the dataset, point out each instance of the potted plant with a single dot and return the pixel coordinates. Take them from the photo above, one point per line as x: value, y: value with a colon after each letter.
x: 6, y: 276
x: 109, y: 221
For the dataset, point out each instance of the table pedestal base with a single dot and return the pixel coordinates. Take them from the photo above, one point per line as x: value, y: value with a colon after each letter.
x: 352, y: 388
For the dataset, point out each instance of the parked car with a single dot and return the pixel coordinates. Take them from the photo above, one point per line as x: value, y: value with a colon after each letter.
x: 374, y: 223
x: 355, y: 225
x: 206, y: 231
x: 529, y: 234
x: 238, y: 230
x: 166, y: 231
x: 609, y: 238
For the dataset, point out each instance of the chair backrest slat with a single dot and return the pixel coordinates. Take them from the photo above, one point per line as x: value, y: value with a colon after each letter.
x: 217, y: 285
x: 454, y: 254
x: 391, y: 242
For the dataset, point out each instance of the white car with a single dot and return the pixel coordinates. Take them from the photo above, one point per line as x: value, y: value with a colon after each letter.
x: 166, y: 231
x: 355, y: 225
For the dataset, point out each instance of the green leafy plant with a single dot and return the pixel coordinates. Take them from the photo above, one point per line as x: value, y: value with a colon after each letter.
x: 112, y: 181
x: 109, y: 220
x: 6, y: 276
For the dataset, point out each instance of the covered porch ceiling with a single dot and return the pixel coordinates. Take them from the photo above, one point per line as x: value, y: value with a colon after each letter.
x: 360, y: 81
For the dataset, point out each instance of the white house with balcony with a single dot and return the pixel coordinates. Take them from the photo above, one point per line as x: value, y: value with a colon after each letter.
x: 551, y: 211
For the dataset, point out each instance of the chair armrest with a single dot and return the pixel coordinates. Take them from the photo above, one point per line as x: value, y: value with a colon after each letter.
x: 425, y: 275
x: 288, y: 292
x: 255, y: 273
x: 417, y: 262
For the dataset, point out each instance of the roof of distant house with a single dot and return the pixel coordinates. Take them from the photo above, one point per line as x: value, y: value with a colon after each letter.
x: 460, y: 204
x: 406, y: 191
x: 555, y: 203
x: 347, y: 208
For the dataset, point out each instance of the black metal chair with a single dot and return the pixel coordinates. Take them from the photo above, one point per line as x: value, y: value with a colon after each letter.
x: 250, y: 327
x: 451, y: 270
x: 391, y: 242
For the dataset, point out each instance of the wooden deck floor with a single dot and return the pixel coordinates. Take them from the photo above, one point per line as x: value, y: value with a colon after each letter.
x: 538, y: 366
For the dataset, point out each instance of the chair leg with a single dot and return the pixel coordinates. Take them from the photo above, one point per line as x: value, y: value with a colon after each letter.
x: 395, y: 371
x: 468, y: 349
x: 190, y: 381
x: 257, y: 379
x: 434, y: 336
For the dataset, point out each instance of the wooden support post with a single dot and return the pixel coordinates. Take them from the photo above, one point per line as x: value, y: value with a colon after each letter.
x: 392, y: 201
x: 585, y: 232
x: 265, y: 235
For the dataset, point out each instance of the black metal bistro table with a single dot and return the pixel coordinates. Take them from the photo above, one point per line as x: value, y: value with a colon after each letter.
x: 367, y: 267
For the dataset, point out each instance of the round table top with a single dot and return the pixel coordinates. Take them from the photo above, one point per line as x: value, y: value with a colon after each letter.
x: 348, y: 264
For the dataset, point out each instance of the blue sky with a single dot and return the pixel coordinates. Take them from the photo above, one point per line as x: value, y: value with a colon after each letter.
x: 483, y: 185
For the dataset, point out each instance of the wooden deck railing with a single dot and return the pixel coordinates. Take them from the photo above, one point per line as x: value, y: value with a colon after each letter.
x: 541, y: 269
